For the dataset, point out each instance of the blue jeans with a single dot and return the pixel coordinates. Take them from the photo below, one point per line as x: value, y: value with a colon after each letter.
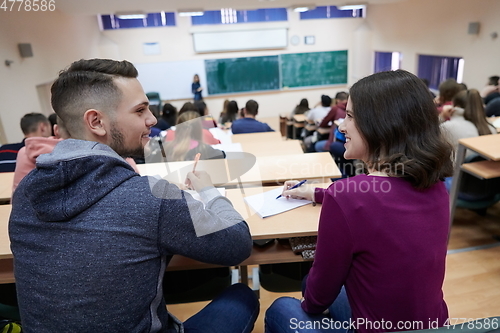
x: 233, y: 311
x: 285, y: 315
x: 320, y: 146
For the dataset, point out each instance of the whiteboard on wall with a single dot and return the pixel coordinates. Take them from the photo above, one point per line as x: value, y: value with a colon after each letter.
x: 223, y: 41
x: 172, y: 79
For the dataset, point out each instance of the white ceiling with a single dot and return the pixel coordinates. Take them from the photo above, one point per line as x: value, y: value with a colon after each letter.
x: 86, y: 7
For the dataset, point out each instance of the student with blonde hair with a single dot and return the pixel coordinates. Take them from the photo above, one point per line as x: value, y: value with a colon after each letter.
x: 189, y: 140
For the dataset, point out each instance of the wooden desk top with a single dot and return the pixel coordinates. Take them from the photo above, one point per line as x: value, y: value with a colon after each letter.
x: 287, y: 147
x: 262, y: 170
x: 266, y: 137
x: 6, y: 181
x: 486, y: 145
x: 277, y: 169
x: 4, y: 234
x: 299, y: 118
x: 273, y: 122
x: 483, y: 169
x: 302, y: 221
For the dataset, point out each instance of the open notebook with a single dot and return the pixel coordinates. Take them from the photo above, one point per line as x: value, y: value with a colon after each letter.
x: 265, y: 204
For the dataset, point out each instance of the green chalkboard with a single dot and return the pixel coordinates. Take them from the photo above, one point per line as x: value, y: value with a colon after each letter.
x: 313, y: 69
x: 242, y: 74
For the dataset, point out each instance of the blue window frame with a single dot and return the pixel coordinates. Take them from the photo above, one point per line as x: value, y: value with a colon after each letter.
x: 231, y: 16
x: 323, y: 12
x: 436, y: 69
x: 386, y: 61
x: 163, y: 19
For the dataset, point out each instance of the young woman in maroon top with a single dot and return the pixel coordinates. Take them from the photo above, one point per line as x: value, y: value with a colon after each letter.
x: 380, y: 258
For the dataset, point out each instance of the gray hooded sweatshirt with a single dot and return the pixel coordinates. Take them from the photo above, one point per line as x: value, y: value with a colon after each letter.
x: 91, y: 240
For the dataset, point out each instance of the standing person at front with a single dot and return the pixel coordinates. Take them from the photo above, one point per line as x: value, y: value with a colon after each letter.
x: 91, y: 238
x: 382, y: 237
x: 196, y: 88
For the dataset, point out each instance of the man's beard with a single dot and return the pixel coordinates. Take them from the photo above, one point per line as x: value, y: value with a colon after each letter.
x: 117, y: 144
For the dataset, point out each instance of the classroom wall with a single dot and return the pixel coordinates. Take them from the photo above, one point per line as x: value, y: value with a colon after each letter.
x: 57, y: 39
x: 176, y: 45
x: 410, y: 27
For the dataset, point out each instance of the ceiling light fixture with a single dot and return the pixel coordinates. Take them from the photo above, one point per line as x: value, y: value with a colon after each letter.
x: 131, y: 15
x: 351, y: 7
x: 191, y: 12
x: 303, y: 8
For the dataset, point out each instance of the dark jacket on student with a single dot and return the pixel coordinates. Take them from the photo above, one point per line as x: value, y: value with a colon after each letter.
x: 91, y: 240
x: 249, y: 125
x: 8, y: 155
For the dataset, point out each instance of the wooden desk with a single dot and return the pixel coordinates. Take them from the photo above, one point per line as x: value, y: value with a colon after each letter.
x: 6, y: 181
x: 241, y: 168
x: 273, y: 122
x: 288, y: 147
x: 488, y: 146
x: 302, y: 221
x: 264, y: 137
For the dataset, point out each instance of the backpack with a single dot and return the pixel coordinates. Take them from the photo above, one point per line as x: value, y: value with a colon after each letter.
x: 10, y: 326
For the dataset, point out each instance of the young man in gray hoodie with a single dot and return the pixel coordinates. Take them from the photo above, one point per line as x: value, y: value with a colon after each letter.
x: 91, y: 238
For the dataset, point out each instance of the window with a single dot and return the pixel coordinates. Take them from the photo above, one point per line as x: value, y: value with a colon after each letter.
x: 387, y: 61
x: 110, y: 22
x: 231, y: 16
x: 436, y: 69
x: 323, y: 12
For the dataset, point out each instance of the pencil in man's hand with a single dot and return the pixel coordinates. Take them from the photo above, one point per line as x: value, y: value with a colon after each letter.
x: 196, y: 159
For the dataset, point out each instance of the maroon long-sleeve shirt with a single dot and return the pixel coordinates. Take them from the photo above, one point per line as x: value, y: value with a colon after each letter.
x: 386, y: 242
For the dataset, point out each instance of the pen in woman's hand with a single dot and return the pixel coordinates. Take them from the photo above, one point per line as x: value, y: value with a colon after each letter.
x: 294, y: 186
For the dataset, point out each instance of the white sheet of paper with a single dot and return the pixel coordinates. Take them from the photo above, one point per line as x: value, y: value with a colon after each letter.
x: 265, y: 204
x: 496, y: 123
x: 222, y: 136
x: 229, y: 147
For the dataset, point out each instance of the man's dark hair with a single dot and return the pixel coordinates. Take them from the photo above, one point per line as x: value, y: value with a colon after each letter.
x: 88, y: 84
x: 493, y: 80
x: 342, y: 96
x: 326, y: 100
x: 397, y: 117
x: 252, y: 107
x: 30, y: 121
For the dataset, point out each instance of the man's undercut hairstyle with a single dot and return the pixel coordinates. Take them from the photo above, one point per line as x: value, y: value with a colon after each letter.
x: 252, y: 107
x: 30, y: 121
x: 342, y: 96
x: 85, y: 85
x: 395, y: 114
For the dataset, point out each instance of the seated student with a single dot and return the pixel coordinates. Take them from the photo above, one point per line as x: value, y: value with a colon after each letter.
x: 189, y: 141
x: 337, y: 112
x: 490, y: 91
x: 317, y: 114
x: 467, y: 118
x: 208, y: 138
x: 382, y: 237
x: 167, y: 118
x: 208, y: 121
x: 91, y: 238
x: 230, y: 113
x: 33, y: 125
x: 301, y: 108
x: 36, y: 146
x: 248, y: 124
x: 493, y: 108
x: 447, y: 89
